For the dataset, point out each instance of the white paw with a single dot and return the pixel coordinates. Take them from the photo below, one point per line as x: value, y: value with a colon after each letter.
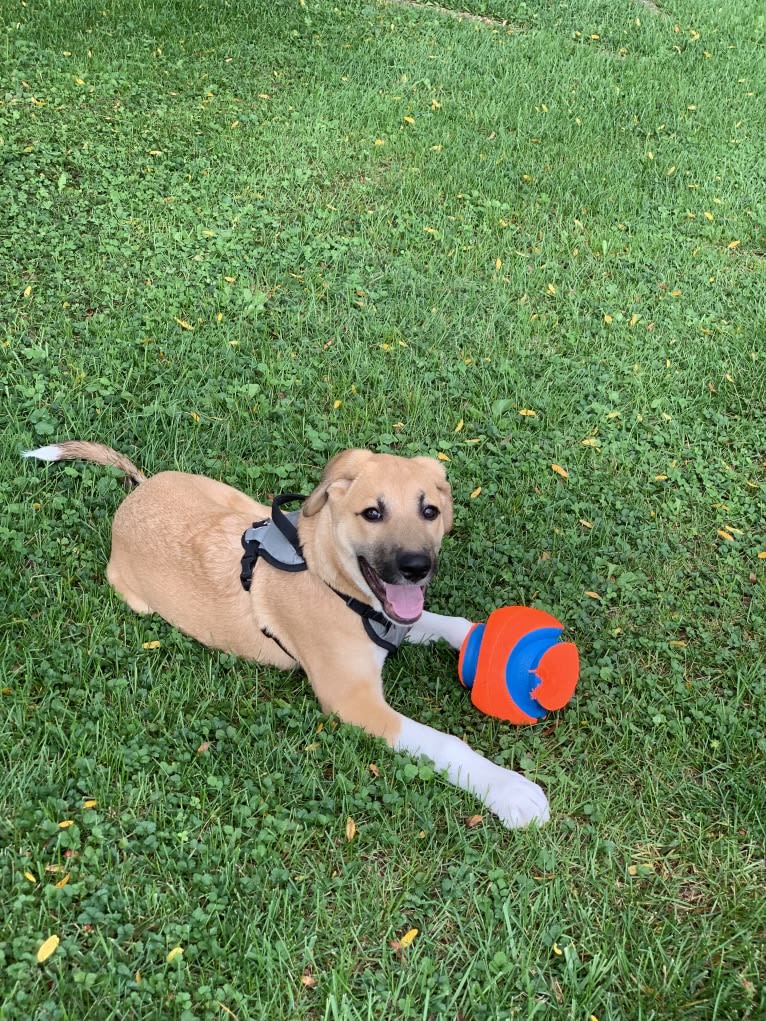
x: 517, y: 801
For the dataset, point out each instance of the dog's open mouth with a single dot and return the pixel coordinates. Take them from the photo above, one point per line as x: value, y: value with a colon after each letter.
x: 402, y: 603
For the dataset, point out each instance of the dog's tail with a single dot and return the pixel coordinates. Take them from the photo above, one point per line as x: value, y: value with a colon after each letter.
x: 79, y: 450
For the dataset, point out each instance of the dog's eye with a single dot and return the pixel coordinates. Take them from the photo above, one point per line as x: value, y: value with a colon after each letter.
x: 372, y: 514
x: 429, y: 512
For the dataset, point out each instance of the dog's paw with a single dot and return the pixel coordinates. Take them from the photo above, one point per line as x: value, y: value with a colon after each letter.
x: 517, y: 801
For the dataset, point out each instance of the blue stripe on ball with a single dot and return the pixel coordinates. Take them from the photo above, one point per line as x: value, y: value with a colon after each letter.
x: 523, y: 658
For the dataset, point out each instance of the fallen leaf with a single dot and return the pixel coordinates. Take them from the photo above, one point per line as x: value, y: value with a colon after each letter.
x: 374, y: 770
x: 459, y: 426
x: 726, y: 535
x: 62, y: 882
x: 350, y: 829
x: 203, y: 748
x: 408, y: 937
x: 183, y: 323
x: 174, y: 953
x: 473, y: 821
x: 89, y: 803
x: 527, y: 413
x: 592, y: 595
x: 475, y: 492
x: 30, y: 876
x: 762, y: 555
x: 65, y: 824
x: 194, y: 415
x: 155, y: 644
x: 47, y: 948
x: 560, y: 471
x: 441, y: 456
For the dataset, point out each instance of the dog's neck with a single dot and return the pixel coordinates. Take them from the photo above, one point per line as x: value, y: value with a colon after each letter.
x: 318, y: 545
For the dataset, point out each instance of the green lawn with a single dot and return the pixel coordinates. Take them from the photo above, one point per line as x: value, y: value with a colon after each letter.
x: 236, y: 238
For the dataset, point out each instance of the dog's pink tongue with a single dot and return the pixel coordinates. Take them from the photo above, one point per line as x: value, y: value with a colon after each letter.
x: 406, y: 601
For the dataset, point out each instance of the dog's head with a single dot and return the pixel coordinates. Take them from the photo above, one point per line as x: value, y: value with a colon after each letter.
x: 389, y: 515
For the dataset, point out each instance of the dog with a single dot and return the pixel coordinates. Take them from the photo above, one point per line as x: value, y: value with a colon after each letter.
x: 333, y: 587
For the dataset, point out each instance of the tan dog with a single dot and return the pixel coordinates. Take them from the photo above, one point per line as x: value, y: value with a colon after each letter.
x: 370, y: 534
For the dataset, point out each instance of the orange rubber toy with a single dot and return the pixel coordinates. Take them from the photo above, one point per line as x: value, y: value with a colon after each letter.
x: 516, y: 666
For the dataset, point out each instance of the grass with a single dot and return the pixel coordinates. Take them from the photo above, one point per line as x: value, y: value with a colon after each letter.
x: 238, y: 238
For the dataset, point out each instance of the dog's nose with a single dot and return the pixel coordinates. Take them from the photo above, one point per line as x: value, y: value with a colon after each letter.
x: 413, y: 566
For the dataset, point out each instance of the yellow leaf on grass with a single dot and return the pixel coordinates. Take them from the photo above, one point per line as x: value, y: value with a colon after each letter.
x: 174, y: 953
x: 592, y: 595
x: 30, y: 876
x: 89, y: 803
x: 590, y: 441
x: 459, y: 426
x: 350, y: 829
x: 309, y: 981
x: 62, y: 882
x: 409, y: 120
x: 47, y: 948
x: 527, y: 413
x: 155, y: 644
x: 183, y: 323
x: 473, y: 821
x: 633, y: 319
x: 762, y: 555
x: 65, y: 824
x: 560, y: 471
x: 441, y: 456
x: 407, y: 938
x: 194, y: 415
x: 475, y: 492
x: 498, y: 263
x: 336, y: 404
x: 726, y: 535
x: 733, y: 244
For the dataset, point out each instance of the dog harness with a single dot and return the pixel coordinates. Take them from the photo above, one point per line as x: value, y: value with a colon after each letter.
x: 275, y: 539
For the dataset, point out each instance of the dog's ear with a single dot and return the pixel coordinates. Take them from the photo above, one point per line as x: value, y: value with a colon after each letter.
x: 436, y: 469
x: 339, y: 473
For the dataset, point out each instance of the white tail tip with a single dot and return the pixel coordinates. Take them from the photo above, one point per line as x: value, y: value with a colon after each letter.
x: 49, y: 453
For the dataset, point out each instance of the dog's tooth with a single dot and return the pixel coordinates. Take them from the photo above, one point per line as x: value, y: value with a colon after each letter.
x: 49, y: 453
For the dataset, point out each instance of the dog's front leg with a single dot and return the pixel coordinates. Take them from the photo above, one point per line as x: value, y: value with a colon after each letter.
x: 514, y: 799
x: 348, y: 682
x: 432, y: 626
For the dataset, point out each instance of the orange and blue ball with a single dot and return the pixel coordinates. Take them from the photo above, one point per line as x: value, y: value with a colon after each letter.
x: 516, y: 665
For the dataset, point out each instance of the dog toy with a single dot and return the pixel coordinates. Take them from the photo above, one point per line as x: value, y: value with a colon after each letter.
x: 516, y: 666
